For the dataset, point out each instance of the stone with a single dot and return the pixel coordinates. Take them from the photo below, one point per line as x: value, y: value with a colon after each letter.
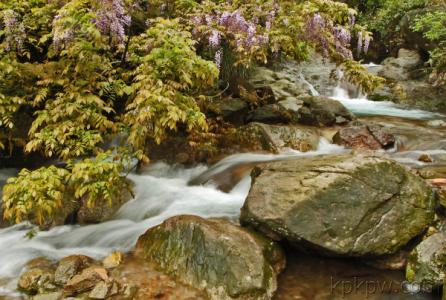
x: 129, y: 291
x: 225, y: 260
x: 86, y: 280
x: 102, y: 210
x: 425, y: 158
x: 113, y: 260
x: 271, y: 113
x: 70, y: 266
x: 320, y: 111
x: 364, y: 137
x: 426, y: 262
x: 339, y: 205
x: 276, y: 138
x: 231, y: 109
x: 100, y: 290
x: 37, y: 280
x: 49, y: 296
x: 398, y: 69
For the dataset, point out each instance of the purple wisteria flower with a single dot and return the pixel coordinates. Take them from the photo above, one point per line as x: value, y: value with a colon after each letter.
x: 214, y: 39
x: 360, y: 38
x: 112, y: 19
x: 366, y: 44
x: 14, y: 31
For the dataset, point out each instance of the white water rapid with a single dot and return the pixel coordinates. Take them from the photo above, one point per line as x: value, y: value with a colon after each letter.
x: 361, y: 106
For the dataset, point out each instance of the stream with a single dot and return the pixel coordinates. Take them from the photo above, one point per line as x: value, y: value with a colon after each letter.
x: 163, y: 191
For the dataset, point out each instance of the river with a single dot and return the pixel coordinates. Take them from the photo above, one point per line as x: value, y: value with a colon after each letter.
x: 163, y: 191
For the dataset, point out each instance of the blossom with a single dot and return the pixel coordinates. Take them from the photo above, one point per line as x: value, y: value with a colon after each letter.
x: 14, y: 31
x: 112, y: 19
x: 360, y: 42
x: 214, y: 39
x: 366, y: 43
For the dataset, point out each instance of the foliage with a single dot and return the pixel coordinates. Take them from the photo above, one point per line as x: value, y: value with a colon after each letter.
x: 98, y: 179
x: 167, y: 82
x: 39, y: 196
x: 76, y: 73
x: 358, y: 74
x: 433, y: 25
x: 36, y: 195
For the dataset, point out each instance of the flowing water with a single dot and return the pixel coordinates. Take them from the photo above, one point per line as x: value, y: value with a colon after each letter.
x: 163, y: 191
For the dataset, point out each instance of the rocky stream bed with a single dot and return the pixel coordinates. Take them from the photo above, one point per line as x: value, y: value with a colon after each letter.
x: 335, y: 197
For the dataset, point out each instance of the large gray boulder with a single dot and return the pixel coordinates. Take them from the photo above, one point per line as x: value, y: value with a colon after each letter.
x: 426, y: 263
x: 225, y: 260
x: 343, y: 205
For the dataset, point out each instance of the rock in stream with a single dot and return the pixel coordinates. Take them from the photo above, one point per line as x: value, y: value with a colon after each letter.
x: 342, y: 205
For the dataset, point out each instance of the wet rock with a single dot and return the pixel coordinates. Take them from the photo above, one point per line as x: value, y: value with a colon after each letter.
x: 231, y: 109
x: 342, y: 205
x: 102, y: 210
x: 407, y: 86
x: 129, y: 291
x: 225, y: 260
x: 276, y: 138
x: 49, y: 296
x: 271, y: 113
x: 70, y: 266
x: 100, y: 290
x: 320, y: 111
x: 396, y: 261
x: 86, y: 280
x: 426, y: 262
x: 37, y: 280
x: 436, y: 124
x: 113, y: 260
x: 282, y: 83
x: 398, y: 69
x: 425, y: 158
x: 364, y: 137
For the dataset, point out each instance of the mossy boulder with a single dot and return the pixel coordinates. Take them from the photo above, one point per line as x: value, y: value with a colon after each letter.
x: 275, y: 138
x: 341, y: 205
x: 225, y: 260
x: 427, y: 262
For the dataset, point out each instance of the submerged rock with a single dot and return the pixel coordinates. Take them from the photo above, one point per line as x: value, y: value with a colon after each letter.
x: 275, y: 138
x: 342, y: 205
x: 426, y: 264
x: 225, y: 260
x: 365, y: 137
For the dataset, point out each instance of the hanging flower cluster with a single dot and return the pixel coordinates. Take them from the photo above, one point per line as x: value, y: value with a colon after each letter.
x: 62, y: 35
x: 231, y: 26
x: 324, y: 33
x: 108, y: 16
x: 112, y: 19
x: 14, y: 31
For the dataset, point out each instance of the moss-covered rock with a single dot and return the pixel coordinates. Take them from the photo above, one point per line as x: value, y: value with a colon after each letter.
x: 275, y: 138
x: 348, y: 205
x: 225, y: 260
x: 427, y: 262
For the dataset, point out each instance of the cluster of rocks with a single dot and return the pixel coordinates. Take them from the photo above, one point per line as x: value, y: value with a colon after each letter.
x: 355, y: 204
x: 74, y: 277
x: 407, y: 83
